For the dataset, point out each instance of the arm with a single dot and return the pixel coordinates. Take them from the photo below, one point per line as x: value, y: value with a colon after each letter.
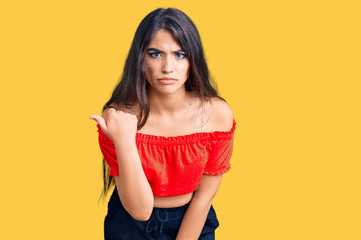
x: 133, y: 188
x: 196, y: 215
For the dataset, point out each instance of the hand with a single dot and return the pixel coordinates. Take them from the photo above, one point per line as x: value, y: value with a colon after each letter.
x: 117, y: 125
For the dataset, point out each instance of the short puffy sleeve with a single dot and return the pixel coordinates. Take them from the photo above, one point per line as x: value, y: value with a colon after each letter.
x: 108, y: 150
x: 220, y: 152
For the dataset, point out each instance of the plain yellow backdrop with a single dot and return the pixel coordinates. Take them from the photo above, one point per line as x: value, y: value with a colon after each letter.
x: 289, y: 69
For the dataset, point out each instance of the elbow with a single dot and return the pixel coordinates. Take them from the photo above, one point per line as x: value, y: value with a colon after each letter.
x: 141, y: 215
x: 140, y: 211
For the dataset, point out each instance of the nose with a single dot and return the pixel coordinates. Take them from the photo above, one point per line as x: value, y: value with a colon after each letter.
x: 167, y: 65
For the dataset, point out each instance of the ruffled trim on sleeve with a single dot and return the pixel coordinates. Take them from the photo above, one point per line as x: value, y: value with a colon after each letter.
x: 220, y: 172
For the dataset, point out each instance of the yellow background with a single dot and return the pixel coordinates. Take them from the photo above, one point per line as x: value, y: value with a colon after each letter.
x: 289, y: 69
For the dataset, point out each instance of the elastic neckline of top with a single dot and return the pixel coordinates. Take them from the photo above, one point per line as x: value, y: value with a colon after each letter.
x: 195, y: 135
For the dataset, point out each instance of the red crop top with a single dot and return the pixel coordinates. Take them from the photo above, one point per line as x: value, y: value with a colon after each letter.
x: 174, y: 165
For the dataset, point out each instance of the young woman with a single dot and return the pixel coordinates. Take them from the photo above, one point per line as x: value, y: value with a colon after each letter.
x: 166, y: 136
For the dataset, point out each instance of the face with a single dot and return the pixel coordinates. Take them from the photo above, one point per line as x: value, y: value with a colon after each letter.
x: 167, y: 65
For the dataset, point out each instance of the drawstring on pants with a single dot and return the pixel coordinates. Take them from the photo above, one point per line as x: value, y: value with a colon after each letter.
x: 151, y: 225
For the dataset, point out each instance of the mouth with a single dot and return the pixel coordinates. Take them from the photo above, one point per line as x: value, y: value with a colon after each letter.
x: 167, y: 80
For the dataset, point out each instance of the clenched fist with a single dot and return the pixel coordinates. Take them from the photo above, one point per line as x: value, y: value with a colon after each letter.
x: 119, y: 126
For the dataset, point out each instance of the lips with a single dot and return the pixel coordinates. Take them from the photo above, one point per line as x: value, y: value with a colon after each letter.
x: 167, y: 80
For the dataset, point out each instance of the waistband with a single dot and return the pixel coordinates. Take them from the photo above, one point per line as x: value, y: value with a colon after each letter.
x: 162, y: 215
x: 174, y: 211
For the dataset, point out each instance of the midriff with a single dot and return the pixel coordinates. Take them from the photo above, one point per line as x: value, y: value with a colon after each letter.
x: 174, y: 201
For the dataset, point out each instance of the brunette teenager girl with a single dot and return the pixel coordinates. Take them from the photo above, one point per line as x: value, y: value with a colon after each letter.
x: 166, y: 136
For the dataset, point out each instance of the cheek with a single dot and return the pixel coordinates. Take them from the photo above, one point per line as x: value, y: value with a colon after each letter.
x: 185, y: 69
x: 149, y: 70
x: 188, y: 68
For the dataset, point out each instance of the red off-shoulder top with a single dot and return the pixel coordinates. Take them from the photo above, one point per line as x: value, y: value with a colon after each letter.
x: 174, y: 165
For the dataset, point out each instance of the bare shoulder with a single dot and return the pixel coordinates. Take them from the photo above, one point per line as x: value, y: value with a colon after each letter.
x: 221, y: 115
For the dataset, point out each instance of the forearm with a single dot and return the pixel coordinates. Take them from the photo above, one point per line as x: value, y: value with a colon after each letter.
x: 194, y: 219
x: 132, y: 185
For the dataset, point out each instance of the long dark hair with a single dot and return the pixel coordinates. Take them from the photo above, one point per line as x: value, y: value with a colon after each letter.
x: 132, y: 88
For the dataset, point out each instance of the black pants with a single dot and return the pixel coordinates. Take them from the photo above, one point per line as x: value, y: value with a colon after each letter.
x: 164, y: 223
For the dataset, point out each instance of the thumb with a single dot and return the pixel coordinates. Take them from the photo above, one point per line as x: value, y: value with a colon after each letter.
x: 99, y: 120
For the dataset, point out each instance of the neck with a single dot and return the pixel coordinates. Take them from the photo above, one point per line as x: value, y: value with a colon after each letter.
x: 168, y: 104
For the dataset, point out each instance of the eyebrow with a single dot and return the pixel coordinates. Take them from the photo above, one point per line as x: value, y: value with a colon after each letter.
x: 157, y: 50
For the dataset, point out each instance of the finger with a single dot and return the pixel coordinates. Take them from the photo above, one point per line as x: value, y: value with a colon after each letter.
x: 99, y: 120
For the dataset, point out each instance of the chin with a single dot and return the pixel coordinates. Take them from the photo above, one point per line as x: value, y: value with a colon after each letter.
x: 166, y: 90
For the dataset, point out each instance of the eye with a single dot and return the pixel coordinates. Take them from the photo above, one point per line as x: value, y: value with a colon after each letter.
x: 180, y: 55
x: 154, y: 54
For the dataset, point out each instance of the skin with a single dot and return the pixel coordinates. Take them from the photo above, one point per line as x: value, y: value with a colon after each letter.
x: 174, y: 112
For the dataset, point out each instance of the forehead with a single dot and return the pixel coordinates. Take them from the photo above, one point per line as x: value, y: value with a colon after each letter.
x: 164, y: 40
